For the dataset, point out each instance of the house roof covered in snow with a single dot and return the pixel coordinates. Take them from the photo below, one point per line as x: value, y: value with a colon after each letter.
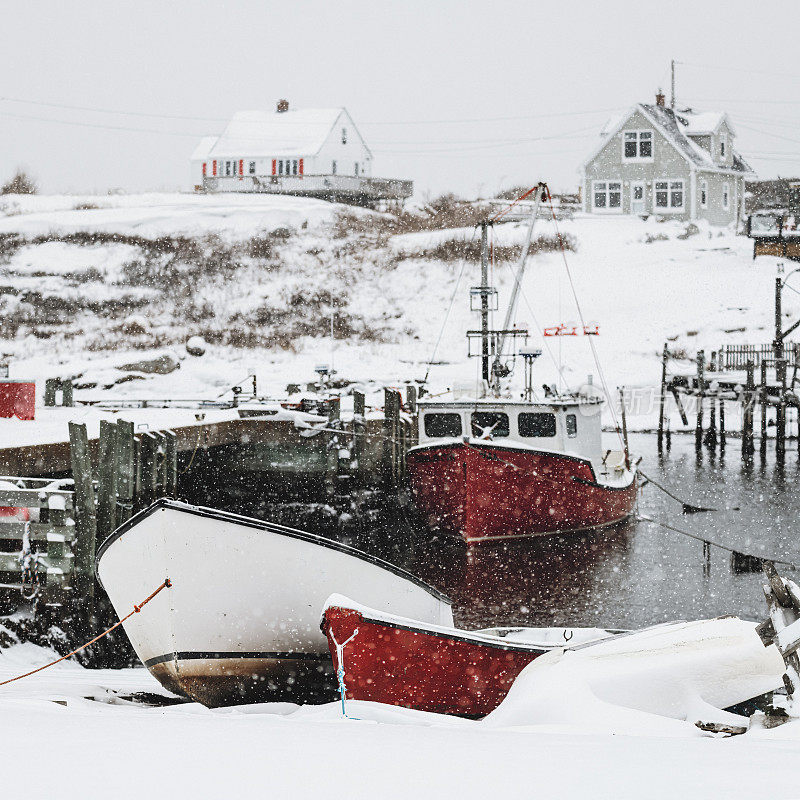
x: 274, y: 133
x: 679, y: 127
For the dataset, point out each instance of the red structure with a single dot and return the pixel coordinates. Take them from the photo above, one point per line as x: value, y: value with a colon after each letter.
x: 17, y: 398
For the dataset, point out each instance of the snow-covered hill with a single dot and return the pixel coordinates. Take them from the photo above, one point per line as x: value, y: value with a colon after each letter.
x: 84, y: 281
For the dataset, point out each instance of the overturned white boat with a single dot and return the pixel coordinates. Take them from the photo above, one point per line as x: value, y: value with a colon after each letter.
x: 240, y: 622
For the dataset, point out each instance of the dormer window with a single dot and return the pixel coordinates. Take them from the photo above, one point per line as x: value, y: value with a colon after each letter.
x: 723, y: 146
x: 637, y: 145
x: 344, y: 135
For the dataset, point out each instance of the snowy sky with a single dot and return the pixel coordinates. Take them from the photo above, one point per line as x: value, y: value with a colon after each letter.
x: 462, y: 96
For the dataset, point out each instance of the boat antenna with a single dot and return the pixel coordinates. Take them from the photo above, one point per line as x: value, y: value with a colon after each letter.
x: 540, y: 191
x: 485, y: 300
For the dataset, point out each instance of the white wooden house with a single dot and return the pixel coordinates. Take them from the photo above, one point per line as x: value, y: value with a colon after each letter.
x: 654, y: 160
x: 315, y: 152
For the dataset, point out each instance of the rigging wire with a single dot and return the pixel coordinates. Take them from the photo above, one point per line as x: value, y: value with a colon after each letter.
x: 449, y: 309
x: 600, y: 371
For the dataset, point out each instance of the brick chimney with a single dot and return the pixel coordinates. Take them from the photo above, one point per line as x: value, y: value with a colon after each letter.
x: 660, y: 99
x: 283, y: 105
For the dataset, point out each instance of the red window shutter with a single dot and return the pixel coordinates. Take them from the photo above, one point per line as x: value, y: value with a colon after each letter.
x: 241, y: 166
x: 274, y: 166
x: 204, y: 169
x: 214, y: 167
x: 300, y: 166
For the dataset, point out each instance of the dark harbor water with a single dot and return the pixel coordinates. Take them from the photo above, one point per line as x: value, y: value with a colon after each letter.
x: 627, y: 576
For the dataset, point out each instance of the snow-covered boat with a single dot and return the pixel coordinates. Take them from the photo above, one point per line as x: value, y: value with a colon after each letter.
x: 488, y: 467
x: 241, y: 619
x: 439, y: 668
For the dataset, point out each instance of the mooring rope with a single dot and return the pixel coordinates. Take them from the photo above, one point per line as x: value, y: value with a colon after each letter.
x: 136, y: 609
x: 688, y: 508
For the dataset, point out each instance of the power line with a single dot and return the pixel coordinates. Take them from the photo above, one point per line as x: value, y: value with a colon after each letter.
x: 5, y: 114
x: 495, y: 119
x: 738, y: 69
x: 769, y: 133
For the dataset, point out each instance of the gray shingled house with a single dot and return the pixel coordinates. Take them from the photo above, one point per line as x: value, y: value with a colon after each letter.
x: 654, y: 160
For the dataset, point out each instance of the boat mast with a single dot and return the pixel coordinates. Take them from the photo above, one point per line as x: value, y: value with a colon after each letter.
x: 512, y: 303
x: 484, y: 301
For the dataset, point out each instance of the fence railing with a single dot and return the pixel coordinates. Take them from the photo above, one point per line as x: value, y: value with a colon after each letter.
x: 736, y: 356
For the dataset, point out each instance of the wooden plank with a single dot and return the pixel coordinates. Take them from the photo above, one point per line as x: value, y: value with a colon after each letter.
x: 32, y: 498
x: 38, y: 530
x: 85, y: 518
x: 107, y: 489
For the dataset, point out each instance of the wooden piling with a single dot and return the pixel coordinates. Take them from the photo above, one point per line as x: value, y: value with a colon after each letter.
x: 359, y: 429
x: 710, y: 437
x: 721, y: 422
x: 85, y: 524
x: 663, y: 396
x: 107, y: 483
x: 147, y: 492
x: 171, y: 464
x: 762, y: 445
x: 698, y: 431
x: 748, y: 400
x: 126, y: 470
x: 780, y: 428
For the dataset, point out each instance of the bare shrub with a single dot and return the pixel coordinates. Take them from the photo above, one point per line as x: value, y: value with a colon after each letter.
x: 20, y: 183
x: 458, y: 249
x: 85, y: 207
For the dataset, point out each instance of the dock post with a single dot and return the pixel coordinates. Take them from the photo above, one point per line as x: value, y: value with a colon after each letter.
x: 359, y: 429
x: 762, y: 445
x: 85, y: 525
x: 663, y: 397
x: 388, y: 437
x: 748, y: 401
x: 67, y: 398
x: 171, y: 464
x: 149, y: 445
x: 780, y: 431
x: 107, y: 483
x: 698, y: 431
x: 161, y: 463
x: 721, y: 422
x: 126, y: 470
x: 50, y: 387
x: 332, y: 449
x: 711, y: 433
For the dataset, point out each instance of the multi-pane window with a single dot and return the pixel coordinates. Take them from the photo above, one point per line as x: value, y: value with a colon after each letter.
x: 607, y: 195
x: 703, y: 194
x: 333, y: 167
x: 723, y: 146
x: 726, y: 196
x: 638, y: 144
x: 669, y: 195
x: 252, y: 168
x: 294, y: 167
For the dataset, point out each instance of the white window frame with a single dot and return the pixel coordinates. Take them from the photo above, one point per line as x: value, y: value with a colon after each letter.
x: 726, y: 196
x: 607, y: 209
x: 638, y: 158
x: 669, y: 208
x: 723, y: 146
x: 703, y: 193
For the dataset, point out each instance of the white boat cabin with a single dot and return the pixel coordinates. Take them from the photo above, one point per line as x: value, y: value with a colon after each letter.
x: 563, y: 425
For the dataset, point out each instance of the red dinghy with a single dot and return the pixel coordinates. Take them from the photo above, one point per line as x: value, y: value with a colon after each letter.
x: 407, y: 663
x: 489, y: 468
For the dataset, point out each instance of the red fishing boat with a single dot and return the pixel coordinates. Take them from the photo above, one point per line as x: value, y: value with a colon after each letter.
x: 489, y: 468
x: 403, y: 662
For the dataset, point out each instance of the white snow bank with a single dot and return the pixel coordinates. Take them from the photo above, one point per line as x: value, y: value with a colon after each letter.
x: 683, y: 671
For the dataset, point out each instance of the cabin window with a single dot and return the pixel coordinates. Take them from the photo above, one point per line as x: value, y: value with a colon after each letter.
x: 538, y: 424
x: 726, y: 196
x: 637, y: 145
x: 669, y: 195
x: 491, y: 423
x: 444, y: 425
x: 344, y: 135
x: 572, y: 426
x: 607, y: 195
x: 703, y: 194
x: 252, y: 168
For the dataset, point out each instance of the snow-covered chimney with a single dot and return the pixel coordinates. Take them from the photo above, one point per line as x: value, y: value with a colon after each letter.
x: 283, y: 105
x: 660, y: 99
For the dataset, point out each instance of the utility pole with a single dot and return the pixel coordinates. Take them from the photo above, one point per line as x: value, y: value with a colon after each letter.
x: 484, y: 301
x: 672, y: 97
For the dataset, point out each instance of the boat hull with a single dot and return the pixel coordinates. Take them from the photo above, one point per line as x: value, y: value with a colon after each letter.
x: 483, y: 491
x: 240, y: 622
x: 407, y: 665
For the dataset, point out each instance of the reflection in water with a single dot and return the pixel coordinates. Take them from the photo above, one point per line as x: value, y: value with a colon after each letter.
x: 627, y: 576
